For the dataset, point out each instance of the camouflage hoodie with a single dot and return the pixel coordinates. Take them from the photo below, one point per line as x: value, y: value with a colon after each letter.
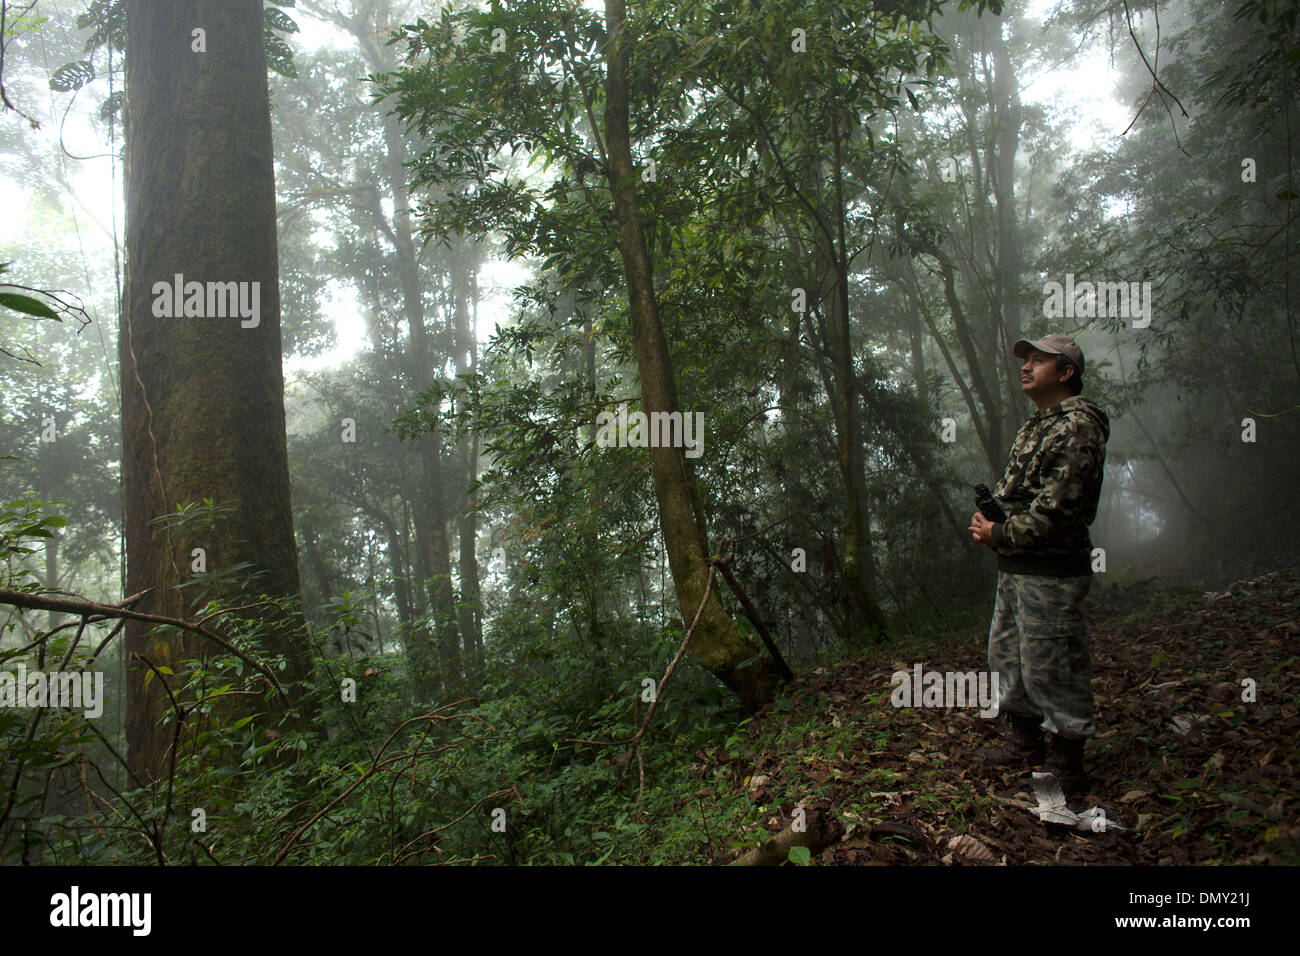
x: 1055, y: 499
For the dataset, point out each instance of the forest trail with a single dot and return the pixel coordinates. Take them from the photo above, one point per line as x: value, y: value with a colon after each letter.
x: 1194, y: 774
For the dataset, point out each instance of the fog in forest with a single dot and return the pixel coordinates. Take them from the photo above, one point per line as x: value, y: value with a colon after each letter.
x: 381, y: 425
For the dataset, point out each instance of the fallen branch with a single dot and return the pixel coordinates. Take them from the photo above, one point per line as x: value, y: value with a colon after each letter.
x: 752, y: 613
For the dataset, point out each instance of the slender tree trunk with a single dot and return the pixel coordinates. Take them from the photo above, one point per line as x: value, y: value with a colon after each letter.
x: 431, y: 521
x: 51, y: 579
x: 989, y: 424
x: 916, y: 340
x: 202, y: 398
x: 1007, y: 120
x: 374, y: 592
x: 466, y: 347
x: 717, y: 643
x: 315, y: 560
x: 401, y: 582
x: 436, y: 658
x: 859, y: 568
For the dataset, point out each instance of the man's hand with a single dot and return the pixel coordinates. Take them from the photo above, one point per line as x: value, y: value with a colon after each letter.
x: 981, y: 529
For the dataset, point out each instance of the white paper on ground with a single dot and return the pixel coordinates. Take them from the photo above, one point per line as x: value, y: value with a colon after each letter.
x: 1052, y: 809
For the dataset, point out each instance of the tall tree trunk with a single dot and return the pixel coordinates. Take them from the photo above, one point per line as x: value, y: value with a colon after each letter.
x: 988, y: 426
x: 435, y: 658
x: 717, y: 643
x: 316, y: 560
x: 202, y: 398
x: 916, y: 340
x: 466, y: 348
x: 859, y: 568
x: 1007, y: 119
x: 431, y: 519
x: 831, y: 341
x: 401, y: 577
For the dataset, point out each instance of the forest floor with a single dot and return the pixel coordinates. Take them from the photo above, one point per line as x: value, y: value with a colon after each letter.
x: 1192, y: 773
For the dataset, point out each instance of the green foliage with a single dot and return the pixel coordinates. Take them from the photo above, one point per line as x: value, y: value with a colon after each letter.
x: 27, y: 305
x: 279, y: 55
x: 747, y: 139
x: 1267, y: 74
x: 18, y: 23
x: 106, y: 21
x: 21, y: 521
x: 72, y: 76
x: 30, y: 305
x: 370, y: 781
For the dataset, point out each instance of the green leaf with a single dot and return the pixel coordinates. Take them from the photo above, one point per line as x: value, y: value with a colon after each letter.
x: 112, y: 104
x: 799, y: 855
x: 26, y: 304
x: 72, y: 76
x: 279, y: 56
x: 279, y: 20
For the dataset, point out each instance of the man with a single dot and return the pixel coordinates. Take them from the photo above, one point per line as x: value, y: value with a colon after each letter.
x: 1038, y: 638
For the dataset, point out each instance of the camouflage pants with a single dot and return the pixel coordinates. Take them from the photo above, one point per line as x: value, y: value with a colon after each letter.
x: 1038, y: 647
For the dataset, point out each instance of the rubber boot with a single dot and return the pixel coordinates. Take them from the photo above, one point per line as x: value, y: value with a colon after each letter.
x: 1026, y: 745
x: 1066, y: 761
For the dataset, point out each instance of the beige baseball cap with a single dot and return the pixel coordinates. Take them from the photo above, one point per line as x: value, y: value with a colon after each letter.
x: 1054, y: 344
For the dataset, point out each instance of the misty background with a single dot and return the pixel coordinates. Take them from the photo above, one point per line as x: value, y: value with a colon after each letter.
x: 1114, y: 142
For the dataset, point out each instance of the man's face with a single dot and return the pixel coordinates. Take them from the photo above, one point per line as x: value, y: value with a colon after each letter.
x: 1038, y: 376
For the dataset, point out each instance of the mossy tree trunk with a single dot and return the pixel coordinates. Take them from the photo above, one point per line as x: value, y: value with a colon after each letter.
x: 717, y: 644
x: 202, y: 397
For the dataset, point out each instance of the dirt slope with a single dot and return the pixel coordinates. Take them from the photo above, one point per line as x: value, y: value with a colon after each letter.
x: 1194, y: 773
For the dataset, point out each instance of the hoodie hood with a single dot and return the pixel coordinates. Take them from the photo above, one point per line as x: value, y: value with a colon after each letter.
x: 1086, y: 406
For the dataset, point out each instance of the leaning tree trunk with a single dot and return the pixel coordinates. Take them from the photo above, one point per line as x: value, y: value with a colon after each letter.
x: 202, y: 397
x: 717, y: 643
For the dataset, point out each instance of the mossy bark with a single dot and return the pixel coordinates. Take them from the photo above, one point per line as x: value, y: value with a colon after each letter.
x: 717, y: 643
x: 202, y: 397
